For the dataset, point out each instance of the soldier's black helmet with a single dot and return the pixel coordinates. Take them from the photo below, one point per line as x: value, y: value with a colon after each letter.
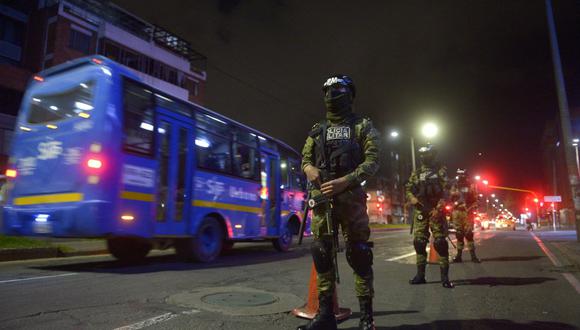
x: 339, y: 79
x: 428, y: 154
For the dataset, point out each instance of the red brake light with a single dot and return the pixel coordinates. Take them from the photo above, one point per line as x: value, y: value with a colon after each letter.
x: 11, y: 173
x: 94, y: 163
x: 38, y: 78
x: 97, y: 61
x: 448, y: 207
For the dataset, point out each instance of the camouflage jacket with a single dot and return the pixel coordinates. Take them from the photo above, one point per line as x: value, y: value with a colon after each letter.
x: 369, y: 141
x: 412, y: 186
x: 463, y: 200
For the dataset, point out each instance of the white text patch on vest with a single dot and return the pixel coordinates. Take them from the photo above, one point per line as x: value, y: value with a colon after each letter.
x: 338, y: 133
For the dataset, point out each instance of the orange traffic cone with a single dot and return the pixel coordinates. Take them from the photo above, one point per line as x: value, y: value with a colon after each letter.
x: 433, y: 255
x: 309, y: 310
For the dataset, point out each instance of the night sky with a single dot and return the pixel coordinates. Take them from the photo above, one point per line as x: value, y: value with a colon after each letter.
x: 481, y: 69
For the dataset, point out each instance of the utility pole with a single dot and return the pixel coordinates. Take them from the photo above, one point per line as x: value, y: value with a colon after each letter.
x: 565, y: 122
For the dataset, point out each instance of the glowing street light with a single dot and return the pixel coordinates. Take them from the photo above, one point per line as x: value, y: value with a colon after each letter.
x: 477, y: 177
x: 429, y: 130
x: 394, y: 134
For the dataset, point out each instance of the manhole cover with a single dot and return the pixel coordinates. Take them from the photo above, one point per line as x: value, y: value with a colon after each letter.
x: 236, y: 301
x: 239, y: 299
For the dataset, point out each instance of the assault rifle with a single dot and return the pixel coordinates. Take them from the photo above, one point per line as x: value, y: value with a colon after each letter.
x: 304, y: 218
x: 331, y: 228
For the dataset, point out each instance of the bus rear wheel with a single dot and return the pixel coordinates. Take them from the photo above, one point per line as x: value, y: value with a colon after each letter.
x: 128, y: 249
x: 284, y: 241
x: 206, y: 245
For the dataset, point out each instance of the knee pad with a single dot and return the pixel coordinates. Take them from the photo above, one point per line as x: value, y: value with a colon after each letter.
x: 321, y: 254
x: 360, y: 258
x: 441, y: 246
x: 420, y: 245
x: 469, y: 236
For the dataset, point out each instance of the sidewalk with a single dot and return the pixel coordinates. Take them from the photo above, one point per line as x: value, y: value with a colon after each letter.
x: 56, y: 247
x: 563, y: 243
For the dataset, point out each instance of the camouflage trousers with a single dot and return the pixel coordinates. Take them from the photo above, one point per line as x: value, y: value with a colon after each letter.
x: 349, y: 211
x: 422, y: 222
x: 464, y: 229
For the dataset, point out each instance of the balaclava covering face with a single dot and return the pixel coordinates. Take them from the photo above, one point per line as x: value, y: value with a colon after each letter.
x: 338, y: 99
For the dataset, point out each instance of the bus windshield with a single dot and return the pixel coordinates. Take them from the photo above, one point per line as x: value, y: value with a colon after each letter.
x: 77, y: 101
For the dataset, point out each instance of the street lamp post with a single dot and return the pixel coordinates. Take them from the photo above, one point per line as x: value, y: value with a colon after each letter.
x: 575, y: 144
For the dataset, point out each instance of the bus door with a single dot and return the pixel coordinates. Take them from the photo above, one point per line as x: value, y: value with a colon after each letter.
x: 175, y: 156
x: 270, y: 194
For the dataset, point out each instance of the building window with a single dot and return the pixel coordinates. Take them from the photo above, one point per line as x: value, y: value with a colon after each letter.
x: 80, y: 41
x: 112, y: 51
x: 11, y: 31
x: 11, y: 38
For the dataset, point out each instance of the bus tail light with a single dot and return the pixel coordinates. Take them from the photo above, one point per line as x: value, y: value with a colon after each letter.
x: 97, y: 61
x: 94, y: 163
x: 38, y: 78
x: 11, y: 173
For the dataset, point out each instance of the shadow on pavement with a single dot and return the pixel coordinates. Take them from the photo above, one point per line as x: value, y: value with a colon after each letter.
x: 518, y: 258
x: 356, y: 315
x: 239, y: 256
x: 498, y: 281
x: 481, y: 324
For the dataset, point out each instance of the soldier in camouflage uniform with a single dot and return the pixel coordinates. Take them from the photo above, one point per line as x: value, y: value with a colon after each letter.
x: 465, y: 199
x: 426, y: 191
x: 340, y: 153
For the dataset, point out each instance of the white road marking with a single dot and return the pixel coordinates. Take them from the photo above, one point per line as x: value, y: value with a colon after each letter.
x: 401, y: 257
x: 573, y: 280
x: 37, y: 278
x: 156, y: 320
x: 569, y: 277
x: 549, y: 253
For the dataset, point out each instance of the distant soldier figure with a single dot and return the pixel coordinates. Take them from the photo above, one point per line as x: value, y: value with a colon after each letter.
x: 464, y: 196
x: 340, y: 153
x: 427, y: 190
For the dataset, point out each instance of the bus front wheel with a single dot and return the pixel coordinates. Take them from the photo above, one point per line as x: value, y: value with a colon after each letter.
x: 206, y: 245
x: 128, y: 249
x: 284, y: 241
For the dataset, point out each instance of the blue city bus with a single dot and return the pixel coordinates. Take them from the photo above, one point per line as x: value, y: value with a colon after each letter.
x: 98, y: 153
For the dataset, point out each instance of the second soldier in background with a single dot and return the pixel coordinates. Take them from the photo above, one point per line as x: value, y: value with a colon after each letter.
x: 464, y: 196
x: 340, y: 153
x: 427, y: 190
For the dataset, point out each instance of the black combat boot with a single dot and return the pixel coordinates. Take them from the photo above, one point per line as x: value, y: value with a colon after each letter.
x: 366, y: 314
x: 420, y: 277
x: 458, y: 258
x: 445, y: 278
x: 325, y: 319
x: 474, y: 257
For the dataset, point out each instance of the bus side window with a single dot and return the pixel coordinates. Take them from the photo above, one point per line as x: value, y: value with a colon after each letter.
x: 213, y: 152
x: 296, y: 176
x: 137, y: 119
x: 284, y: 173
x: 245, y: 161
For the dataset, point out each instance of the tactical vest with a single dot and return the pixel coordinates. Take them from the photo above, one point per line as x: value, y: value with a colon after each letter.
x: 430, y: 188
x: 337, y: 150
x: 465, y: 197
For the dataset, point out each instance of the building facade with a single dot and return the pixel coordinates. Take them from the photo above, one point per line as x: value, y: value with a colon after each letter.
x: 554, y: 167
x: 37, y: 34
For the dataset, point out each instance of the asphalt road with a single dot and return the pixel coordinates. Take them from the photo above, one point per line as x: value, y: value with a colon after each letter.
x: 517, y: 286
